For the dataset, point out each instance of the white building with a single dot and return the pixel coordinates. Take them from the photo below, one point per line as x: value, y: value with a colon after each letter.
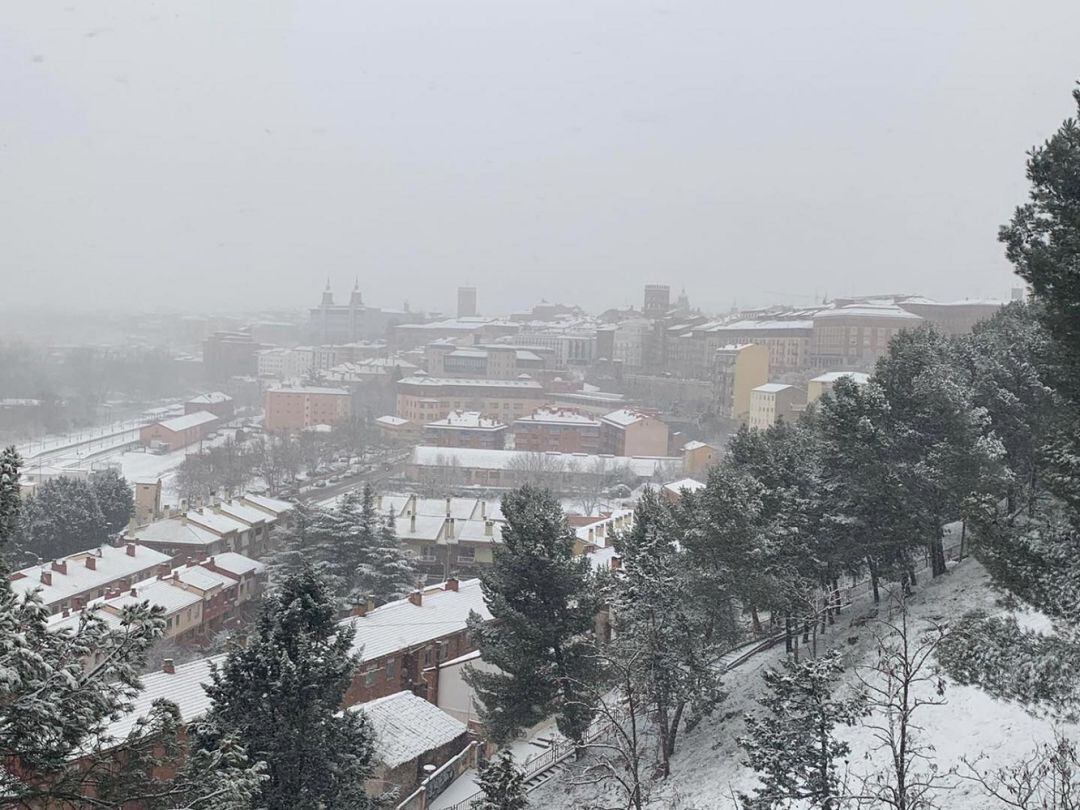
x: 771, y: 402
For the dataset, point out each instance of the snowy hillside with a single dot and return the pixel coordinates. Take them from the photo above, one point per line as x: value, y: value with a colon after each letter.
x: 707, y: 769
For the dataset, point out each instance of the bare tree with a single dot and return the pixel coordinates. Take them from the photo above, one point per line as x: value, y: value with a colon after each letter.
x: 543, y: 470
x: 899, y: 685
x: 1047, y: 779
x: 615, y: 744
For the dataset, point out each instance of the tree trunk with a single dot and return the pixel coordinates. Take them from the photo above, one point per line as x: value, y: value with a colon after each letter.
x: 756, y: 621
x: 787, y: 633
x: 963, y: 535
x: 874, y: 580
x: 674, y: 732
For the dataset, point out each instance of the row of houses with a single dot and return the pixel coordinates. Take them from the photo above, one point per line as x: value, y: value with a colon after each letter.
x: 196, y: 598
x: 240, y: 524
x: 457, y: 535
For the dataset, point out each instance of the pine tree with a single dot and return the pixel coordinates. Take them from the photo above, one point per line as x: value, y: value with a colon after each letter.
x: 388, y: 573
x: 10, y: 501
x: 792, y: 744
x: 541, y: 599
x: 114, y: 498
x: 60, y: 518
x: 503, y: 785
x: 672, y: 645
x: 294, y: 542
x: 280, y: 697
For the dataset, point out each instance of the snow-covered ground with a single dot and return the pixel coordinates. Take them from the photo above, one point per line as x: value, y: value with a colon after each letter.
x: 707, y: 769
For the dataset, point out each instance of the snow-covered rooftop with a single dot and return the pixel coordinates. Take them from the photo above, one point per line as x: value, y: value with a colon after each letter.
x: 237, y: 564
x: 160, y: 592
x: 560, y: 416
x: 689, y: 484
x: 274, y: 506
x: 470, y: 457
x: 212, y: 398
x: 858, y: 377
x: 467, y: 419
x: 749, y: 326
x: 771, y: 388
x: 188, y: 421
x: 175, y: 532
x: 111, y: 563
x: 215, y: 521
x: 310, y: 389
x: 624, y: 417
x: 184, y: 687
x: 401, y: 624
x: 238, y: 510
x: 438, y: 382
x: 407, y: 726
x: 203, y: 578
x: 395, y: 421
x: 868, y: 311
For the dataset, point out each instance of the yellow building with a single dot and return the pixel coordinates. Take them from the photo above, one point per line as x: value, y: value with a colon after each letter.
x: 738, y: 370
x: 423, y: 400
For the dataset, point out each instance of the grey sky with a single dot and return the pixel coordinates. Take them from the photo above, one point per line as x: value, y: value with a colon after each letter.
x: 220, y: 154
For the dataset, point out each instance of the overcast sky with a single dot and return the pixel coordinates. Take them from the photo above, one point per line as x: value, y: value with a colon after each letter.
x: 230, y: 154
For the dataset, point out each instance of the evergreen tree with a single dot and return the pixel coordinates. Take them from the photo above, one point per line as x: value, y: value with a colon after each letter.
x: 388, y: 573
x: 792, y: 744
x: 280, y: 697
x: 673, y: 647
x: 1043, y: 243
x: 61, y: 517
x: 294, y: 542
x: 503, y: 785
x: 115, y: 499
x: 541, y: 638
x: 10, y: 501
x: 938, y: 435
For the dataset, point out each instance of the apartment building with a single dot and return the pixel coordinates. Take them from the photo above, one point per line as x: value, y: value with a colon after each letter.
x: 424, y: 399
x: 737, y: 370
x: 789, y: 342
x: 563, y: 430
x: 772, y: 402
x: 294, y: 409
x: 856, y: 335
x: 628, y: 432
x: 466, y: 429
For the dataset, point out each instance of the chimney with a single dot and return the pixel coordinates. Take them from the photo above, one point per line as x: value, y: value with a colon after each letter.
x: 449, y: 528
x: 412, y: 523
x: 359, y: 609
x: 489, y: 528
x: 91, y: 562
x: 46, y: 577
x: 134, y: 592
x: 163, y: 570
x: 448, y: 506
x: 417, y: 598
x: 616, y: 562
x: 483, y: 509
x: 66, y: 613
x: 370, y: 604
x: 59, y: 566
x: 131, y: 549
x: 168, y: 667
x: 451, y: 584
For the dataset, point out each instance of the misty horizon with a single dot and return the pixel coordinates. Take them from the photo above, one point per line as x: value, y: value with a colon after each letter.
x: 230, y: 159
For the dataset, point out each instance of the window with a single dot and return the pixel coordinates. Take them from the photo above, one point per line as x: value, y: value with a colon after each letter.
x: 427, y: 657
x: 466, y: 554
x: 391, y: 668
x: 370, y: 677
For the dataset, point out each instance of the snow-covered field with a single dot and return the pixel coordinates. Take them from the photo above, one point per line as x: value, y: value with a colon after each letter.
x: 707, y: 769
